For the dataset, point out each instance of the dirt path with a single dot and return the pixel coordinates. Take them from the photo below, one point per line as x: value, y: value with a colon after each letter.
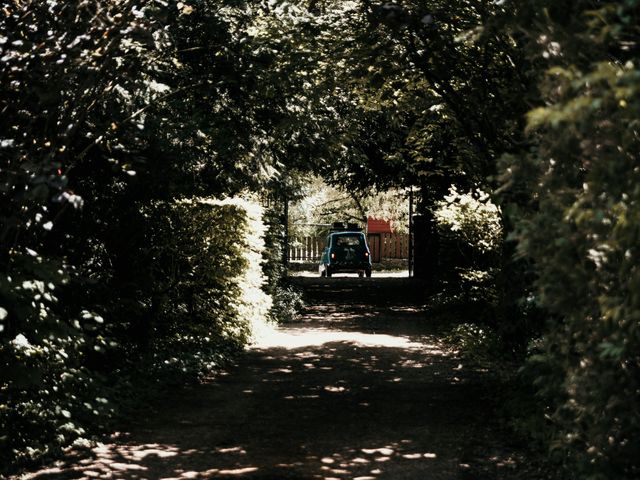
x: 358, y: 389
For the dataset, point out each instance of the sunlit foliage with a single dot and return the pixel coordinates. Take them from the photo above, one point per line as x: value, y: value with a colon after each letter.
x: 114, y: 113
x: 473, y: 217
x: 122, y: 121
x: 322, y: 204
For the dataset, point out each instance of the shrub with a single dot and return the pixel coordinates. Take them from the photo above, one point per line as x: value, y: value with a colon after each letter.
x: 287, y: 303
x: 470, y: 237
x: 195, y: 301
x: 470, y: 232
x: 471, y: 218
x: 206, y: 268
x: 475, y: 341
x: 582, y: 234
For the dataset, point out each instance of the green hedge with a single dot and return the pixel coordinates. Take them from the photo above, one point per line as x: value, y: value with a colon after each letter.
x: 196, y: 300
x: 581, y: 231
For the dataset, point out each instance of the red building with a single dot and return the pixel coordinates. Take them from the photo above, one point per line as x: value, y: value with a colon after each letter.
x: 375, y: 225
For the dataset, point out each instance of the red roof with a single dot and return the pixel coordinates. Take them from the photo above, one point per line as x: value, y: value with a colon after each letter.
x: 375, y: 225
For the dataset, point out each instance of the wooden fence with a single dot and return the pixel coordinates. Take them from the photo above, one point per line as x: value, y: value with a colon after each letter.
x: 382, y: 245
x: 388, y: 245
x: 306, y: 249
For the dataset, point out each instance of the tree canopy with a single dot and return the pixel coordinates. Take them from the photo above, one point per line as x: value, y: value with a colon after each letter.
x: 125, y: 124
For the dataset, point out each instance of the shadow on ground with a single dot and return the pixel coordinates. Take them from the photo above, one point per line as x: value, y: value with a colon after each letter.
x: 359, y: 389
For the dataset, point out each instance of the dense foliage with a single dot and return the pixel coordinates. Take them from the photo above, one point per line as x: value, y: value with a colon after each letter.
x: 439, y: 95
x: 117, y: 117
x: 469, y: 229
x: 122, y: 121
x: 582, y: 231
x: 204, y: 299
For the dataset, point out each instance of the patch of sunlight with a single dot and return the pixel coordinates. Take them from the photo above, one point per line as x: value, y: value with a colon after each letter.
x: 334, y: 389
x: 405, y: 309
x: 190, y: 474
x: 143, y: 451
x: 384, y: 451
x: 238, y: 450
x: 289, y: 465
x: 123, y: 467
x: 281, y: 370
x: 307, y: 355
x: 337, y: 471
x: 238, y: 471
x: 190, y: 451
x: 412, y: 364
x: 412, y: 456
x: 300, y: 338
x: 133, y: 453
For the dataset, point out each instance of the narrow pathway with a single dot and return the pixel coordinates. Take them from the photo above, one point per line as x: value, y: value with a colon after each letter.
x: 360, y: 388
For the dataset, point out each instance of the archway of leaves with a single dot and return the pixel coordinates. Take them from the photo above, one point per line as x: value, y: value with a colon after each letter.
x: 119, y: 117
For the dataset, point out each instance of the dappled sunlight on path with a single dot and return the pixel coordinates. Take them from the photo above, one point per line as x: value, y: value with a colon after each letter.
x: 357, y: 389
x: 307, y: 337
